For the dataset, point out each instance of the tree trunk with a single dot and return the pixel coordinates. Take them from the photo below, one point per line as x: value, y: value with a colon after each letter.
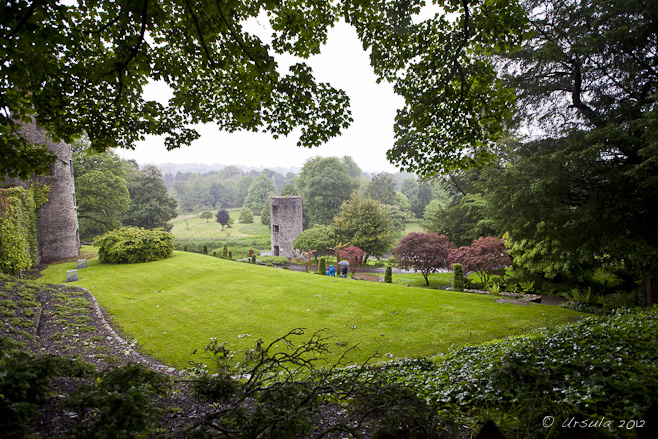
x: 650, y: 274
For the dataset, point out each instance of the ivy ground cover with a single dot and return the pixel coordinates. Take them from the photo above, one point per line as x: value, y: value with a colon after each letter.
x: 593, y: 378
x: 174, y: 306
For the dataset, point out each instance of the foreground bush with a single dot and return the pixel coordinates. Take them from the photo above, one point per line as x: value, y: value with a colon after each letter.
x: 287, y: 389
x: 119, y: 404
x: 598, y: 369
x: 130, y: 245
x: 25, y: 383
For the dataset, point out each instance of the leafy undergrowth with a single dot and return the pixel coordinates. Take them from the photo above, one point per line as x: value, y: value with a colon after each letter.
x: 603, y: 370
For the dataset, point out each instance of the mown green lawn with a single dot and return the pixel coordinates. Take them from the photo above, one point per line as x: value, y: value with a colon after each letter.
x: 195, y: 228
x: 174, y: 306
x: 413, y: 226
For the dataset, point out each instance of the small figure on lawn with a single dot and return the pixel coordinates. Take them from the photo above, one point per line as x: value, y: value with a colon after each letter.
x: 332, y: 270
x: 344, y: 270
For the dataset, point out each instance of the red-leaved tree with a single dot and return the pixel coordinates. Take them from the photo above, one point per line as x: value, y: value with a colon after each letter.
x: 353, y: 255
x: 486, y: 256
x: 424, y: 252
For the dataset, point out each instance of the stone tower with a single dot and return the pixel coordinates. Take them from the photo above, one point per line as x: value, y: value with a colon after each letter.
x: 285, y: 224
x: 57, y: 221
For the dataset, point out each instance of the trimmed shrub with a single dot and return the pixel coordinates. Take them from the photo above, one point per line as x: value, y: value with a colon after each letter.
x: 225, y: 252
x: 205, y: 249
x: 458, y: 281
x: 131, y: 245
x: 246, y: 216
x: 273, y: 259
x: 230, y: 255
x: 253, y: 259
x: 185, y: 248
x: 265, y: 214
x: 388, y: 276
x: 322, y: 266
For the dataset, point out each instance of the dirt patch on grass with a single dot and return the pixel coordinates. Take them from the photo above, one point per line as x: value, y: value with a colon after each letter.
x: 514, y: 302
x: 368, y: 277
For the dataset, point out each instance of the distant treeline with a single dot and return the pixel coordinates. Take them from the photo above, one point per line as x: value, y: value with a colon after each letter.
x: 219, y: 189
x: 234, y: 187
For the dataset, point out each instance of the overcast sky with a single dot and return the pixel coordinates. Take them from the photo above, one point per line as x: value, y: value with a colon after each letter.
x: 343, y: 64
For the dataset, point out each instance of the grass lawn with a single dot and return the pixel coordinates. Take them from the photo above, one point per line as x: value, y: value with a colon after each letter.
x: 174, y: 306
x: 413, y: 226
x: 195, y: 228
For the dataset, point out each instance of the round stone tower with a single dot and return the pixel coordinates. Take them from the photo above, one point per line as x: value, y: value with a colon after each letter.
x: 285, y: 224
x: 57, y: 221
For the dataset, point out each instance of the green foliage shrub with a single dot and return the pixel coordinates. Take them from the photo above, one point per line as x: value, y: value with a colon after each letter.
x: 273, y: 259
x: 230, y: 255
x: 253, y: 259
x: 621, y: 299
x: 120, y: 404
x: 458, y: 280
x: 213, y: 386
x: 205, y: 249
x: 265, y: 214
x: 185, y: 248
x: 322, y: 266
x: 18, y: 230
x: 582, y: 307
x: 589, y: 302
x: 388, y: 275
x: 25, y: 382
x: 131, y: 245
x: 246, y: 216
x: 225, y: 251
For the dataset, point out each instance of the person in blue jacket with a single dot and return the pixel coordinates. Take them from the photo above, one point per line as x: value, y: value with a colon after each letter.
x: 332, y: 270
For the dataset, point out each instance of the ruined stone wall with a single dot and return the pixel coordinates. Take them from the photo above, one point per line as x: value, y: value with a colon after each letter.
x: 285, y: 224
x: 57, y: 220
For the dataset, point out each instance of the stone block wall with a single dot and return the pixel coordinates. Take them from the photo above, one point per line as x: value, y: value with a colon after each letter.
x: 57, y: 220
x: 285, y: 224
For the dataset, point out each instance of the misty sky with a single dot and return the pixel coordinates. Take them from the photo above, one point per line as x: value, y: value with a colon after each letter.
x: 343, y: 64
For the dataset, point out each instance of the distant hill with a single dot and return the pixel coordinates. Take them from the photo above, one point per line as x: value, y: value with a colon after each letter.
x: 203, y: 168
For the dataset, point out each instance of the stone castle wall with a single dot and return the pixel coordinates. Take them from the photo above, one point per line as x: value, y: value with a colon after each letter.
x: 285, y: 224
x: 57, y: 220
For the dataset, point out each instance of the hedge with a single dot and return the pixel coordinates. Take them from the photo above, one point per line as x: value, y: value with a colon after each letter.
x: 18, y: 227
x: 130, y: 245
